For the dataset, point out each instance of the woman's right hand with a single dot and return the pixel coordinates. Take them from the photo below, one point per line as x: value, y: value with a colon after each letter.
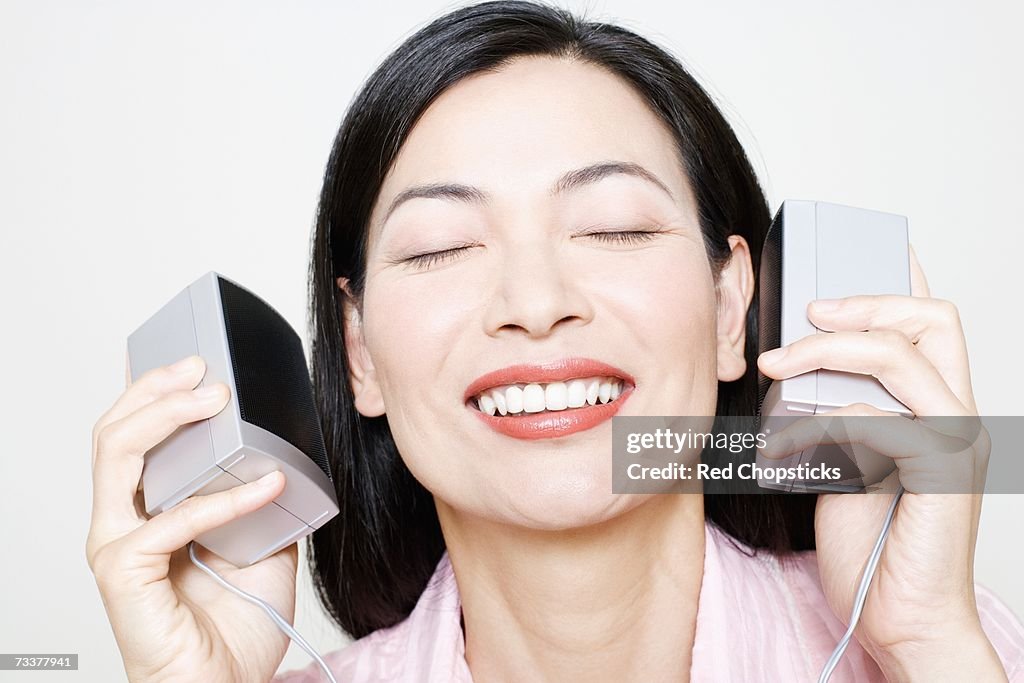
x: 171, y: 620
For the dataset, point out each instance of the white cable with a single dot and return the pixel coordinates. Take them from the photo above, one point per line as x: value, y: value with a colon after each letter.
x: 278, y: 619
x: 862, y: 590
x: 826, y: 672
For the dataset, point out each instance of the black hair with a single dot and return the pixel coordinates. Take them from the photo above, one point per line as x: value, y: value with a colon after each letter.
x: 371, y: 563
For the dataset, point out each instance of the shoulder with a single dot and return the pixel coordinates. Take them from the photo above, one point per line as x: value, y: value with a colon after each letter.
x: 428, y: 640
x: 372, y: 658
x: 777, y: 604
x: 1004, y: 631
x: 791, y: 585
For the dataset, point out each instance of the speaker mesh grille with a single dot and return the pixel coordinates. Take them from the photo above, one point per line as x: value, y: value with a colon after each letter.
x: 769, y: 300
x: 271, y: 376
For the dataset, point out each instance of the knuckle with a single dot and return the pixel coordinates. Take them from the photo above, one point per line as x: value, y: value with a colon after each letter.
x: 982, y: 458
x: 892, y: 351
x: 948, y: 311
x: 105, y: 562
x: 983, y: 444
x: 89, y: 554
x: 895, y: 343
x: 103, y: 421
x: 96, y: 429
x: 92, y: 553
x: 109, y: 438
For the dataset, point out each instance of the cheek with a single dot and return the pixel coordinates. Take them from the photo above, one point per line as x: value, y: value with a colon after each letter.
x: 666, y: 296
x: 667, y: 301
x: 413, y: 322
x: 417, y: 331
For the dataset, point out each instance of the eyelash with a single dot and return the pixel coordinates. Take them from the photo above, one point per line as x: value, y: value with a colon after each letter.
x: 434, y: 257
x: 621, y: 236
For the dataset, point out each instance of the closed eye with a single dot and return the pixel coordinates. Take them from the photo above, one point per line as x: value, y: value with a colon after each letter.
x: 621, y: 236
x: 430, y: 258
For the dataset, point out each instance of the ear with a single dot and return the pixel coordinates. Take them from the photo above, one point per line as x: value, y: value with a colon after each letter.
x: 735, y: 291
x: 362, y: 375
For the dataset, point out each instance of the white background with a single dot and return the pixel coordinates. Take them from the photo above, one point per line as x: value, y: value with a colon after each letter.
x: 143, y: 144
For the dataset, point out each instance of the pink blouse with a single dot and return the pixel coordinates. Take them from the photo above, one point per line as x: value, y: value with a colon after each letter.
x: 759, y: 619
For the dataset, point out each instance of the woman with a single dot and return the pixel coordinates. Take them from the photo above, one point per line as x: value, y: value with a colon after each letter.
x: 518, y: 197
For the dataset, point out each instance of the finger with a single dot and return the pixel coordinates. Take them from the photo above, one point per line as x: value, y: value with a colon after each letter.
x: 886, y: 355
x: 121, y: 448
x: 830, y: 441
x: 902, y: 437
x: 915, y: 317
x: 153, y: 542
x: 897, y: 436
x: 918, y: 282
x: 932, y: 324
x: 185, y: 374
x: 936, y: 462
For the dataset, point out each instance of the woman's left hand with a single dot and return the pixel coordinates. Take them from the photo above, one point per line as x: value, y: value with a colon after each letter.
x: 920, y: 619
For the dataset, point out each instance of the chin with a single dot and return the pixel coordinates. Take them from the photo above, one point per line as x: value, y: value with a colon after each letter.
x: 568, y: 502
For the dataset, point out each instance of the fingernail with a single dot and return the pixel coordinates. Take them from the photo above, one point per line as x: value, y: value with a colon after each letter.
x: 267, y: 480
x: 209, y: 393
x: 774, y: 356
x: 825, y: 305
x: 186, y: 365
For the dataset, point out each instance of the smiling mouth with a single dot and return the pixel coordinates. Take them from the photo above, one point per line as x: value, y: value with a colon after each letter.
x: 521, y: 399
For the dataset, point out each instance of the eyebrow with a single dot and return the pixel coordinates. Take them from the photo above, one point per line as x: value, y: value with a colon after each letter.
x: 569, y: 181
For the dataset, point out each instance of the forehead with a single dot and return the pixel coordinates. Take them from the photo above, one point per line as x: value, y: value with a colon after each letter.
x: 514, y: 132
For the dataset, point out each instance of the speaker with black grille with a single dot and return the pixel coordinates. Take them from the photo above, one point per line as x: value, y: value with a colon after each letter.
x: 269, y: 424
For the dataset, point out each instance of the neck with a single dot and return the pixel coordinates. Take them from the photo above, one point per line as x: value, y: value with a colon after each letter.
x: 612, y: 601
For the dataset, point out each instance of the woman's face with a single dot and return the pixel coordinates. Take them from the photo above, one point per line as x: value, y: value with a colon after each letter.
x: 520, y: 276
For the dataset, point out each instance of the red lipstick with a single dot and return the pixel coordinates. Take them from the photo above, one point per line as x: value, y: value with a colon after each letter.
x: 550, y: 424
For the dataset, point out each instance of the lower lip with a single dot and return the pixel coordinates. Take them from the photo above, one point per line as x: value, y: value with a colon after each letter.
x: 553, y: 424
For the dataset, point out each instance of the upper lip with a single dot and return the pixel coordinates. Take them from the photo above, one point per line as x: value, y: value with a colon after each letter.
x: 555, y: 371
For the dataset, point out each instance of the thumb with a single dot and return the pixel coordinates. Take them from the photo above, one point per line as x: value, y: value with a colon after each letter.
x: 174, y: 528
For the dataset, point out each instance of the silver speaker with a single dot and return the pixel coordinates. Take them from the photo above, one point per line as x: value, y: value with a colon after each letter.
x: 270, y: 423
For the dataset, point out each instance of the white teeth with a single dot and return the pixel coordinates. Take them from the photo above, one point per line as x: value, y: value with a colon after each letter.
x: 487, y: 404
x: 513, y: 399
x: 577, y: 393
x: 556, y: 396
x: 498, y: 396
x: 533, y: 398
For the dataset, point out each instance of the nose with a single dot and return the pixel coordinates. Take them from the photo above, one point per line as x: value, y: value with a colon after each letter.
x: 536, y: 293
